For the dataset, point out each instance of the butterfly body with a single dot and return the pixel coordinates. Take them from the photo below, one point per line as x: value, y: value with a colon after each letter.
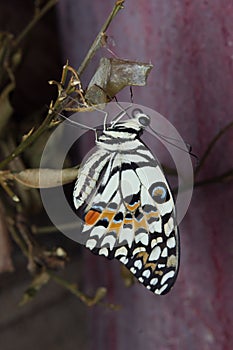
x: 129, y: 212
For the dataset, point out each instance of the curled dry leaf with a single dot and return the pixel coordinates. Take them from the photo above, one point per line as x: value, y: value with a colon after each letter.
x: 113, y: 75
x: 45, y: 178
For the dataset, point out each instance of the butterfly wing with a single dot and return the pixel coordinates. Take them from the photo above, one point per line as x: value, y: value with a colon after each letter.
x: 130, y: 215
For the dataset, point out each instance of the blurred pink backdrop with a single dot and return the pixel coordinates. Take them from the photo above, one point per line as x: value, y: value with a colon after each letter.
x: 190, y: 44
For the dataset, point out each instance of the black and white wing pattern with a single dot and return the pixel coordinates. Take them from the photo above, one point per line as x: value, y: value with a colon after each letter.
x: 129, y: 212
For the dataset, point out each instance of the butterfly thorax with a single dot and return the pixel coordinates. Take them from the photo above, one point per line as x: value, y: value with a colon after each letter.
x: 121, y: 136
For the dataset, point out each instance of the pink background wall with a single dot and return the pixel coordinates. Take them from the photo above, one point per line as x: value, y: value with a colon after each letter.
x: 190, y: 44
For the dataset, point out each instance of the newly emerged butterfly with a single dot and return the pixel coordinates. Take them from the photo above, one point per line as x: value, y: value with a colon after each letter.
x: 129, y: 212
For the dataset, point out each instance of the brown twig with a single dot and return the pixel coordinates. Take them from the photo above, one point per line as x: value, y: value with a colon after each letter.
x: 6, y: 263
x: 100, y: 293
x: 57, y: 106
x: 38, y: 15
x: 98, y: 40
x: 211, y: 145
x: 225, y: 177
x: 87, y: 300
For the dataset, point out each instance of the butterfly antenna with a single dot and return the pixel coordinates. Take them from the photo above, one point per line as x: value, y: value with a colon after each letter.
x: 121, y: 114
x: 167, y: 138
x: 95, y: 108
x: 73, y: 122
x: 131, y: 94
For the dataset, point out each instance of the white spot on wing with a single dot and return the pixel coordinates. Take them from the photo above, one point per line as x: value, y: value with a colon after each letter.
x: 97, y: 231
x: 156, y: 241
x: 159, y: 291
x: 124, y: 260
x: 166, y: 207
x: 139, y: 250
x: 160, y: 266
x: 171, y: 242
x: 156, y: 226
x: 103, y: 251
x: 169, y: 226
x: 146, y: 273
x: 121, y: 251
x: 154, y: 281
x: 91, y: 243
x: 126, y: 234
x: 110, y: 240
x: 168, y: 275
x: 142, y: 237
x: 155, y: 254
x: 138, y: 264
x: 164, y: 252
x: 133, y: 270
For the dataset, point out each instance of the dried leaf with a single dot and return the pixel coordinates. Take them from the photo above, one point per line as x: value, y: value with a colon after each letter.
x: 113, y: 75
x: 45, y: 178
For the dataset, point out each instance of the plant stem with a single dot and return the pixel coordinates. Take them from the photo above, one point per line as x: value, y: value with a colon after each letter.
x: 57, y: 106
x: 28, y: 141
x: 211, y: 145
x: 228, y: 175
x: 97, y: 42
x: 100, y: 293
x: 33, y: 22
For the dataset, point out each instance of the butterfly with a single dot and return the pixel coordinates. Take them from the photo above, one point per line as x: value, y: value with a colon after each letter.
x: 127, y: 205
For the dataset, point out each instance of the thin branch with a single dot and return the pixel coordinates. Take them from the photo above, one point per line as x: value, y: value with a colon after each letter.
x: 97, y: 42
x: 225, y: 177
x: 40, y: 230
x: 6, y: 263
x: 38, y: 15
x: 211, y: 145
x: 16, y: 237
x: 58, y: 106
x: 28, y: 141
x: 72, y: 288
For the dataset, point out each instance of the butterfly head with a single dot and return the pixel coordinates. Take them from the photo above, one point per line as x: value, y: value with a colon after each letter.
x: 137, y: 123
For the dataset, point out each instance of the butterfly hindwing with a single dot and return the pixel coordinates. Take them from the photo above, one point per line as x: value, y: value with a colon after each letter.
x: 130, y: 214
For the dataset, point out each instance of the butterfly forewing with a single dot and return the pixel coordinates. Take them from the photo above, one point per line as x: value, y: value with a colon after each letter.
x: 129, y: 211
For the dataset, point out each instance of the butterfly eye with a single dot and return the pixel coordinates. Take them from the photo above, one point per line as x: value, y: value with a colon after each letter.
x: 144, y: 120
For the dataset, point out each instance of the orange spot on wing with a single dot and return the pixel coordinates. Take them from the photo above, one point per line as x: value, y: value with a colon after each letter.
x: 132, y: 207
x: 140, y: 224
x: 108, y: 214
x: 115, y: 225
x: 91, y: 217
x: 152, y: 265
x: 144, y: 256
x: 128, y: 221
x: 153, y: 214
